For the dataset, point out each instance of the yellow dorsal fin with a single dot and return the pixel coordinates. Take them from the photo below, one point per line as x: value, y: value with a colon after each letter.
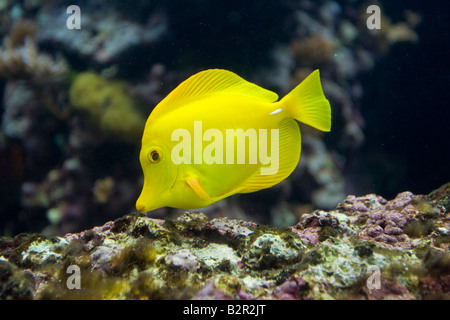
x: 198, y: 189
x: 207, y: 83
x: 289, y: 154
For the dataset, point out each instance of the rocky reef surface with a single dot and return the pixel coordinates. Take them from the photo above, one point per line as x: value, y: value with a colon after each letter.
x: 365, y: 248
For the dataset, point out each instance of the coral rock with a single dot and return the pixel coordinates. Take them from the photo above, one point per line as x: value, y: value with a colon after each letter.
x: 366, y: 248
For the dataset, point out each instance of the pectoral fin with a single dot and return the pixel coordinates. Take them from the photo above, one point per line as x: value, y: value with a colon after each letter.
x: 198, y: 189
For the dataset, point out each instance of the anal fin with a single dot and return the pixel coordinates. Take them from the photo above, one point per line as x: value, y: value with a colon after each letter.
x: 289, y: 154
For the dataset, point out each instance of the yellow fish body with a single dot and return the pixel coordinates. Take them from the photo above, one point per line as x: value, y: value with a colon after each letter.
x: 217, y: 134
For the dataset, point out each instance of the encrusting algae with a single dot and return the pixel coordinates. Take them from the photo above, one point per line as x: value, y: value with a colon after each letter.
x: 326, y: 255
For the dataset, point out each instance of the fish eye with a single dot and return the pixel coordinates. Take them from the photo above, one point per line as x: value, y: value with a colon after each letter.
x: 155, y: 155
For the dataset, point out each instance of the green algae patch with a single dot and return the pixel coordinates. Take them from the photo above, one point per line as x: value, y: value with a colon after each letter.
x: 15, y: 284
x: 108, y: 106
x: 270, y: 251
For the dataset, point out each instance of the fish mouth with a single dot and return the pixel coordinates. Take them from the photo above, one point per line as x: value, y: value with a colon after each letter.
x: 144, y: 206
x: 144, y: 203
x: 140, y: 207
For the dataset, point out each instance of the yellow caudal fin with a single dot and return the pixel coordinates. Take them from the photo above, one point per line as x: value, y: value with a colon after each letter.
x: 307, y: 103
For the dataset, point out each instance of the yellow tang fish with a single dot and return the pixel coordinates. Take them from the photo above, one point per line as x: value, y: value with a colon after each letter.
x: 217, y: 134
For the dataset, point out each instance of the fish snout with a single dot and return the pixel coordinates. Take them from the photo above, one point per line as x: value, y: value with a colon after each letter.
x: 140, y: 206
x: 143, y: 204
